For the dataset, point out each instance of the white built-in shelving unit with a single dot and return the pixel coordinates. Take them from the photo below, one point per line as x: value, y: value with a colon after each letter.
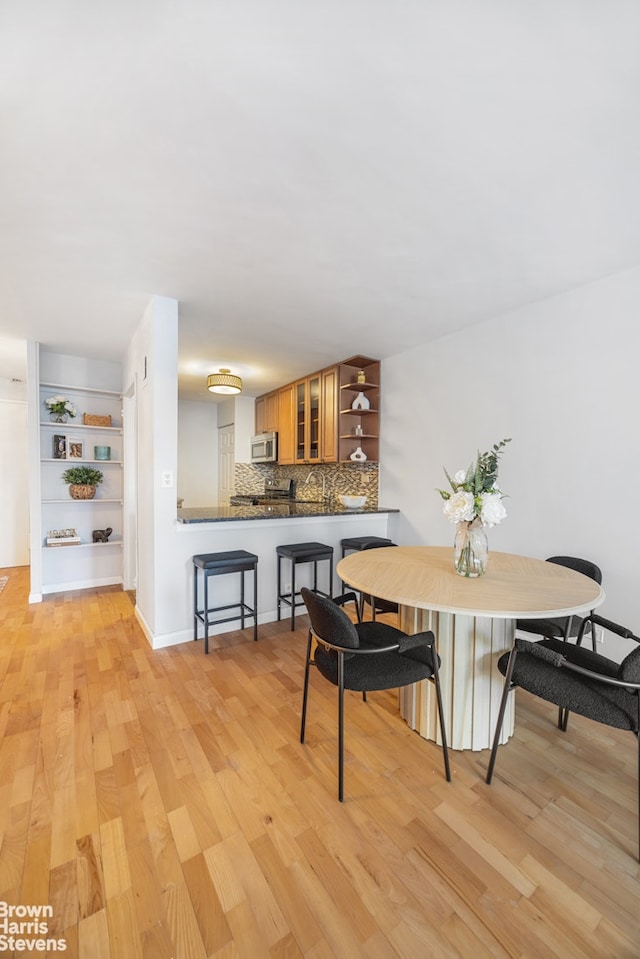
x: 61, y: 445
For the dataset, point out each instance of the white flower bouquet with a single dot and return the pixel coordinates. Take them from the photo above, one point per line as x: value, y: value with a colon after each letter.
x: 474, y: 493
x: 60, y: 405
x: 473, y: 502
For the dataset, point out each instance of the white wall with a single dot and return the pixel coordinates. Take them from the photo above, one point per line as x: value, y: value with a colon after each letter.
x: 239, y: 411
x: 245, y: 425
x: 79, y: 371
x: 198, y: 425
x: 152, y: 365
x: 197, y: 453
x: 560, y: 378
x: 14, y: 453
x: 14, y: 473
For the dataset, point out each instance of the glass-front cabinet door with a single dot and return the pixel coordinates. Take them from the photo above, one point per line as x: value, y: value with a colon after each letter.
x: 301, y: 420
x: 314, y: 419
x: 307, y: 398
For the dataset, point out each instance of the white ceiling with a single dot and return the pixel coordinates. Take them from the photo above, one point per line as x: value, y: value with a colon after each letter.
x: 309, y: 180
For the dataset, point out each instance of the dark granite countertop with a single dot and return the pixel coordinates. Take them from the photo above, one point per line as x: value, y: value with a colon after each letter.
x: 222, y: 514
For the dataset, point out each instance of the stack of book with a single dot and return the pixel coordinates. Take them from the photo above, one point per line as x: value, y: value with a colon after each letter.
x: 62, y: 537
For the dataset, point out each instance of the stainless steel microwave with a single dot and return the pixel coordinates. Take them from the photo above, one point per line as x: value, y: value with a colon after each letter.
x: 264, y: 448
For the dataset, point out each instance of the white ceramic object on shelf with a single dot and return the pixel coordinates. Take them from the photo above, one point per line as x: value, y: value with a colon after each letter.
x: 361, y: 403
x: 358, y: 456
x: 353, y: 502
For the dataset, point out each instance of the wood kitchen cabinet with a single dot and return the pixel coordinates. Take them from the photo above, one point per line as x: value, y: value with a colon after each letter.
x: 286, y: 425
x: 307, y: 419
x: 329, y: 415
x: 267, y: 413
x: 315, y: 417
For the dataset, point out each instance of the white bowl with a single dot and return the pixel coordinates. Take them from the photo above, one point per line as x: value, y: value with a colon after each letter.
x: 353, y: 502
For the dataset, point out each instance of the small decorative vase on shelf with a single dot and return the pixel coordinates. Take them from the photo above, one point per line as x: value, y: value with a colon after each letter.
x: 58, y: 417
x: 361, y: 402
x: 358, y: 455
x: 471, y: 549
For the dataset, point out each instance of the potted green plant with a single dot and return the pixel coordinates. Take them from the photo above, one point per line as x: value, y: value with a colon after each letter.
x: 82, y: 481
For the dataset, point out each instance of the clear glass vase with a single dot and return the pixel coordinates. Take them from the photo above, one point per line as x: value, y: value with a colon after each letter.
x: 471, y: 549
x: 58, y: 417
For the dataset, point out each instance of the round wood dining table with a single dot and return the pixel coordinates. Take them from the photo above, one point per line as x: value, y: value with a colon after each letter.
x: 474, y: 622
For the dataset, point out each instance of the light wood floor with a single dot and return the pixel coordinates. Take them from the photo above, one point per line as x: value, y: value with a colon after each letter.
x: 162, y: 805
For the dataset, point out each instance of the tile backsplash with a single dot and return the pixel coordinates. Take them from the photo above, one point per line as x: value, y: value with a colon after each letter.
x: 353, y: 479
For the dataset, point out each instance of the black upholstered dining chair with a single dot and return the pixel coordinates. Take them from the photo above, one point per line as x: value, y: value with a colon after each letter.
x: 564, y: 627
x: 577, y: 680
x: 365, y: 657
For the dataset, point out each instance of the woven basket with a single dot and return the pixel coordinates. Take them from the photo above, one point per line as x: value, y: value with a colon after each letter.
x: 81, y: 491
x: 93, y: 419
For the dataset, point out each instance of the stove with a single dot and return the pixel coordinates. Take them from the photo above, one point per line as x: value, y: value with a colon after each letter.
x: 273, y: 493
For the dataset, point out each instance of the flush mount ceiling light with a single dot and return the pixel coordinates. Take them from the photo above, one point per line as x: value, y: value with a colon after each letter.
x: 224, y: 381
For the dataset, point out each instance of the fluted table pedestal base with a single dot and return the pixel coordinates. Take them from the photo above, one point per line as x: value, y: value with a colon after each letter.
x: 469, y: 649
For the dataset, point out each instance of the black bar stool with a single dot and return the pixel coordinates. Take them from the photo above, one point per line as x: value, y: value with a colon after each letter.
x: 370, y: 542
x: 357, y: 543
x: 302, y: 553
x: 363, y: 542
x: 219, y: 564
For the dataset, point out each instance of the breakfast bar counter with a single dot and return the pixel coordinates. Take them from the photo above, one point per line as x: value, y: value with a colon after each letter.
x: 258, y: 529
x: 304, y: 509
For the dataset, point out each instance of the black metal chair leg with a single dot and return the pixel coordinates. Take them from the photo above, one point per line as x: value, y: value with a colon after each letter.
x: 341, y: 727
x: 563, y: 718
x: 279, y: 585
x: 206, y: 613
x: 255, y: 605
x: 305, y: 691
x: 242, y: 604
x: 503, y: 705
x: 443, y: 732
x: 195, y: 602
x: 638, y: 738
